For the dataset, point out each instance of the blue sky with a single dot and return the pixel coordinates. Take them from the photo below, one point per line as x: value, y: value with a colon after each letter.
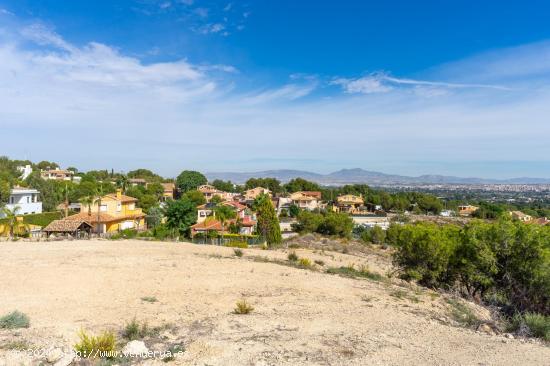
x: 426, y: 87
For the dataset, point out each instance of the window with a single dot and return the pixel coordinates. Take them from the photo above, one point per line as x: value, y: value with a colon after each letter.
x: 103, y: 208
x: 132, y: 206
x: 28, y: 199
x: 118, y: 207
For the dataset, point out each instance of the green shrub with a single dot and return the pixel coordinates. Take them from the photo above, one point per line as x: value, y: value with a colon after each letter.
x: 136, y: 330
x: 532, y: 324
x: 14, y: 320
x: 42, y: 219
x: 349, y: 271
x: 237, y: 244
x: 238, y: 252
x: 101, y: 346
x: 292, y: 256
x: 242, y: 307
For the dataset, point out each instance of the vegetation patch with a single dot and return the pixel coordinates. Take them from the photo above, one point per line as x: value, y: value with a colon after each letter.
x: 243, y: 307
x: 138, y: 330
x: 15, y: 346
x: 530, y: 324
x: 351, y: 272
x: 463, y: 315
x: 292, y: 256
x: 304, y: 263
x: 14, y: 320
x: 100, y: 346
x: 238, y: 252
x: 149, y: 299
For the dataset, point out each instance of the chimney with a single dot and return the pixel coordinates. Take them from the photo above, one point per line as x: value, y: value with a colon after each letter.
x: 119, y: 193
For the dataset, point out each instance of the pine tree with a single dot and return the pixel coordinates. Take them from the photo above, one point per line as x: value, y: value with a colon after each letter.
x: 268, y: 223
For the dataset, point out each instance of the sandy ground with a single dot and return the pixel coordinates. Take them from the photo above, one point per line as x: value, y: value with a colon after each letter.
x: 300, y: 316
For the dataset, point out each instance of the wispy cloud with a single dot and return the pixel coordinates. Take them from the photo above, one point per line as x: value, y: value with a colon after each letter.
x: 124, y: 113
x: 381, y: 83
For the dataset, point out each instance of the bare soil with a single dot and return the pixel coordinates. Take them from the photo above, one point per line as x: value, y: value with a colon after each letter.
x: 300, y: 316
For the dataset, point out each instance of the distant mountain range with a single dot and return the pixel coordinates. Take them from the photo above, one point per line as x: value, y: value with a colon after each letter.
x: 357, y: 175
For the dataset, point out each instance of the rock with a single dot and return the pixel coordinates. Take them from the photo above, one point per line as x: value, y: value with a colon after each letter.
x: 66, y: 360
x: 135, y: 348
x: 509, y: 336
x: 485, y: 328
x: 54, y: 355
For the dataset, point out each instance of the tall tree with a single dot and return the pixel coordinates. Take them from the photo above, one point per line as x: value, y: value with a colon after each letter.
x: 189, y: 180
x: 180, y: 215
x: 268, y: 223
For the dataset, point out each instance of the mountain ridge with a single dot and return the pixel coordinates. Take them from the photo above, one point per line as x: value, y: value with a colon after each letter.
x: 359, y: 175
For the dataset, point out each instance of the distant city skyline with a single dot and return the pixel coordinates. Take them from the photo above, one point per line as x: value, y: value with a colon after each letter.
x: 394, y: 87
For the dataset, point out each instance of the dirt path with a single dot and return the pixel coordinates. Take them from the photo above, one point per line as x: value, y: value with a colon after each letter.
x: 300, y: 316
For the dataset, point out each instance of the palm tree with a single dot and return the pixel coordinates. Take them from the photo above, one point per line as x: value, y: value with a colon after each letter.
x: 11, y: 219
x: 97, y: 198
x: 87, y: 201
x: 122, y: 182
x: 224, y: 213
x: 66, y: 191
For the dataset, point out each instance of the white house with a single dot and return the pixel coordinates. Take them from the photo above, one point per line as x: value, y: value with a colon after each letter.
x: 26, y: 199
x: 25, y: 171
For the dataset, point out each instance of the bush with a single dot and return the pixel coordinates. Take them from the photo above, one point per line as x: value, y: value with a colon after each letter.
x: 292, y: 256
x: 102, y: 346
x: 329, y: 223
x: 319, y: 262
x: 14, y: 320
x: 238, y: 252
x: 349, y: 271
x: 135, y: 330
x: 161, y: 232
x: 242, y: 307
x: 463, y: 315
x: 530, y: 324
x: 304, y: 262
x: 237, y: 244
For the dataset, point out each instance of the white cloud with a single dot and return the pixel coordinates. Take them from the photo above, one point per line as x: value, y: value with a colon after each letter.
x: 111, y: 110
x: 382, y: 83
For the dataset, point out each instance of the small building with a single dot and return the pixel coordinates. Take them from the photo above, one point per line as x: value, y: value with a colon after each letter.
x: 135, y: 182
x: 57, y: 174
x: 209, y: 192
x: 169, y: 192
x: 24, y: 200
x: 349, y: 203
x: 252, y: 194
x: 467, y: 210
x: 518, y: 215
x: 64, y: 227
x: 25, y: 171
x: 306, y: 200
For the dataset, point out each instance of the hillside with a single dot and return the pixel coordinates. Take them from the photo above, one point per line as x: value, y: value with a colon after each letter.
x: 188, y: 292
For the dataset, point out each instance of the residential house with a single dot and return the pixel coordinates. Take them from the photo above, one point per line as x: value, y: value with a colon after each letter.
x: 25, y: 171
x: 26, y: 200
x: 135, y: 182
x: 20, y: 227
x: 206, y: 219
x: 169, y: 192
x: 252, y: 194
x: 541, y: 221
x: 467, y: 210
x: 281, y: 203
x: 518, y: 215
x: 57, y: 174
x: 209, y: 192
x: 349, y: 203
x: 306, y: 200
x: 115, y: 212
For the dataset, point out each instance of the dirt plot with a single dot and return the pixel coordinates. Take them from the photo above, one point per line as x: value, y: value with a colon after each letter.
x: 300, y: 316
